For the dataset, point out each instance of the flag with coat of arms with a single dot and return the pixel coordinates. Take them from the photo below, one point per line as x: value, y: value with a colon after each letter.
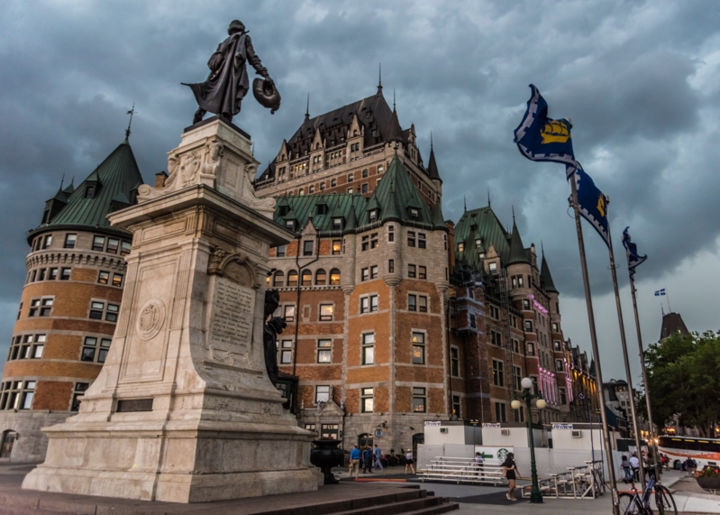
x: 540, y: 138
x: 633, y: 258
x: 592, y: 203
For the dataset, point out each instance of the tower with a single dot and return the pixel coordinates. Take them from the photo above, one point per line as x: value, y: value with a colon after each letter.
x: 69, y: 304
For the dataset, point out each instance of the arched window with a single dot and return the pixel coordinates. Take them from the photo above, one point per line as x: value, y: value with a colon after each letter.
x: 292, y: 278
x: 334, y: 276
x: 307, y: 278
x: 320, y: 277
x: 278, y: 278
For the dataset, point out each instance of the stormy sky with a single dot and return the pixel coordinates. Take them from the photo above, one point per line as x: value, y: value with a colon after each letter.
x: 639, y: 79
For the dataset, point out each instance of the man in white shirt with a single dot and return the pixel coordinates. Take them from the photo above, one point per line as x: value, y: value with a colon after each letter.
x: 635, y: 464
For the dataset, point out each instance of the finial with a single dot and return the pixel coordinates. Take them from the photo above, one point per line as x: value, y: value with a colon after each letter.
x: 379, y: 91
x: 489, y: 204
x: 131, y: 112
x: 431, y: 142
x: 307, y: 108
x: 62, y: 180
x: 542, y: 248
x: 513, y: 213
x: 465, y: 203
x: 394, y: 100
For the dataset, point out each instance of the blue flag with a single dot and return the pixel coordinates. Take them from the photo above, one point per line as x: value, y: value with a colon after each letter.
x: 592, y: 203
x: 660, y: 293
x: 633, y: 258
x: 540, y: 138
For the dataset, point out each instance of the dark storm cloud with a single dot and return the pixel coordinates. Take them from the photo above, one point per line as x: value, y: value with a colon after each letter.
x: 638, y: 79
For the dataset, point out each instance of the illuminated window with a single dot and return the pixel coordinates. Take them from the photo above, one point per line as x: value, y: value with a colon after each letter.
x: 289, y: 312
x: 418, y: 348
x: 334, y: 276
x: 324, y: 351
x: 292, y: 278
x: 326, y: 312
x: 103, y: 277
x: 419, y: 399
x: 320, y: 277
x: 307, y: 278
x: 336, y: 247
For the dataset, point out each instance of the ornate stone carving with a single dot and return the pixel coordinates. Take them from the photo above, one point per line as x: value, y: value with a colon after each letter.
x: 236, y: 267
x: 150, y: 319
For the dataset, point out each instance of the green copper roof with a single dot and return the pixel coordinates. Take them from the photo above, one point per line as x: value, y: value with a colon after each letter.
x: 115, y: 181
x: 483, y: 225
x: 517, y: 251
x: 322, y: 209
x: 546, y: 281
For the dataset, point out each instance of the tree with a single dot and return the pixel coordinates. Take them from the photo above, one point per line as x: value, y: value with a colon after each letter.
x: 684, y: 380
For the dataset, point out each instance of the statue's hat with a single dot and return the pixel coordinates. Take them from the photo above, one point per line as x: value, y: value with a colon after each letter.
x: 267, y: 94
x: 236, y: 26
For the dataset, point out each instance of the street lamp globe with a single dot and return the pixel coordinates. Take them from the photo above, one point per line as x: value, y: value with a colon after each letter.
x: 526, y: 383
x: 540, y: 403
x: 515, y: 404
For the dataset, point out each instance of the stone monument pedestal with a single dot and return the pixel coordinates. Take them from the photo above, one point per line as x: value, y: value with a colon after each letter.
x: 183, y: 410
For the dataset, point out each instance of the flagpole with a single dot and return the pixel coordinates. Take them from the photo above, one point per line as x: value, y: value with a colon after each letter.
x: 596, y: 353
x: 651, y: 428
x: 625, y: 359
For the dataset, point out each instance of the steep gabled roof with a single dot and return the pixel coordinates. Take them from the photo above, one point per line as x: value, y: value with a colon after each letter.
x: 116, y: 180
x: 321, y: 208
x: 483, y: 225
x: 672, y: 323
x: 517, y: 250
x: 432, y: 169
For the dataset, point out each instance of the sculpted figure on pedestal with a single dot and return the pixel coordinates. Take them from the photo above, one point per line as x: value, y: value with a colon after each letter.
x: 273, y: 327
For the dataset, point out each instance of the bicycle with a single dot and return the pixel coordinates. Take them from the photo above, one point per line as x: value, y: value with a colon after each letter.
x: 634, y: 504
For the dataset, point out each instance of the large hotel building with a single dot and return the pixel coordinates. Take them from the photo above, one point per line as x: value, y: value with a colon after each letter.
x: 395, y: 315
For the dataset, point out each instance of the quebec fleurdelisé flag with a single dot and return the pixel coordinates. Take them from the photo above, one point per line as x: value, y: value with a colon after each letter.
x: 634, y: 259
x: 660, y: 292
x: 592, y: 203
x: 540, y: 138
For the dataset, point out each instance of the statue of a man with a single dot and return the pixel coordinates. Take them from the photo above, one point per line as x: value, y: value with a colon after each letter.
x: 228, y: 83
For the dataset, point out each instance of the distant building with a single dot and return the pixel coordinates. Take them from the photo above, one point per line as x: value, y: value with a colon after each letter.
x: 672, y: 323
x: 69, y: 304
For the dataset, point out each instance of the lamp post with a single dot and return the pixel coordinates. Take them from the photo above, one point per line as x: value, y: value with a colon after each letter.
x: 528, y: 396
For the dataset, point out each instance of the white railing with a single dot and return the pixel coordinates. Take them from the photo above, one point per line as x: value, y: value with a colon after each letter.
x: 584, y: 482
x: 461, y: 470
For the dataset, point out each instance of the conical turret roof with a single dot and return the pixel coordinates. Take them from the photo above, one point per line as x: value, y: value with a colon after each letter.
x: 546, y: 281
x: 517, y: 250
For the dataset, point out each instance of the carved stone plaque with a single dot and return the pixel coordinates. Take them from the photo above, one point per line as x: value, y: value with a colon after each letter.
x: 231, y: 324
x: 151, y: 319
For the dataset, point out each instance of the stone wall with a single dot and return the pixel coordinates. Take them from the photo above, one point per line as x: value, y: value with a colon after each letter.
x: 31, y: 442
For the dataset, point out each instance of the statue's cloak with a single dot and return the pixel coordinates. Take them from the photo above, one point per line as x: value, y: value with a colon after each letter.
x: 227, y: 84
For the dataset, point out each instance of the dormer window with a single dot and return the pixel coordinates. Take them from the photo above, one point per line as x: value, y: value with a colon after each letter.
x: 90, y: 190
x: 373, y: 215
x: 322, y: 209
x: 414, y: 213
x: 461, y: 247
x: 283, y: 210
x: 337, y: 223
x: 290, y: 224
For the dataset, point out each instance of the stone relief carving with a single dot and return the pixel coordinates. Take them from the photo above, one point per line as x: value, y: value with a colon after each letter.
x: 236, y: 267
x: 150, y: 319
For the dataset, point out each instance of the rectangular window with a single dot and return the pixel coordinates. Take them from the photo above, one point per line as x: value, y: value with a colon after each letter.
x: 41, y: 275
x: 368, y: 303
x: 27, y: 394
x: 563, y: 396
x: 422, y: 303
x: 112, y: 312
x: 373, y: 240
x: 308, y: 248
x: 496, y: 338
x: 39, y: 347
x: 531, y: 348
x: 88, y: 349
x: 454, y: 361
x: 322, y: 393
x: 65, y: 274
x: 70, y: 240
x: 96, y: 310
x: 418, y: 348
x: 103, y: 277
x: 558, y: 365
x: 365, y: 243
x: 285, y: 357
x: 526, y: 304
x: 34, y: 307
x: 412, y: 271
x: 280, y: 250
x: 373, y: 272
x: 456, y: 406
x: 422, y: 243
x: 336, y: 247
x: 53, y: 274
x: 350, y: 177
x: 556, y: 345
x: 412, y: 302
x: 329, y: 431
x: 337, y: 222
x: 47, y: 241
x: 517, y: 377
x: 46, y: 307
x: 391, y: 266
x: 492, y: 267
x: 364, y: 274
x: 411, y: 238
x: 117, y: 280
x: 78, y: 392
x: 366, y: 400
x: 419, y: 399
x: 125, y: 247
x: 368, y: 348
x: 289, y: 312
x: 103, y: 350
x: 391, y: 233
x: 98, y: 243
x: 112, y: 245
x: 324, y: 351
x: 498, y: 373
x: 528, y: 326
x: 500, y: 415
x: 326, y: 312
x: 422, y: 272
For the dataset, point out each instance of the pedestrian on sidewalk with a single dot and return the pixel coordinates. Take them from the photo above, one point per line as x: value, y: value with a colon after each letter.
x: 409, y: 461
x: 511, y: 472
x: 355, y: 461
x: 378, y: 458
x: 367, y: 459
x: 626, y: 468
x: 635, y: 464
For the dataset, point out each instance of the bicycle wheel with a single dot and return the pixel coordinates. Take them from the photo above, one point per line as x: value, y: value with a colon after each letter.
x: 630, y: 505
x: 664, y: 501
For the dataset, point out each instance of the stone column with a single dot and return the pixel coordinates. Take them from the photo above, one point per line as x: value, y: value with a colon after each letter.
x: 183, y: 410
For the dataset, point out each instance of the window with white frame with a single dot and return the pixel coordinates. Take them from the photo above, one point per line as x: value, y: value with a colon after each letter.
x: 368, y: 303
x: 419, y: 399
x: 498, y: 371
x: 418, y: 348
x: 324, y: 351
x: 368, y: 348
x: 366, y: 400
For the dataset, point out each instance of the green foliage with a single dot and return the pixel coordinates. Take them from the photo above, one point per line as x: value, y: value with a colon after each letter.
x: 684, y: 380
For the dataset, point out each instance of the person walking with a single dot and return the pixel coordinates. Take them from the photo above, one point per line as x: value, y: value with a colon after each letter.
x: 367, y: 459
x: 510, y: 471
x: 409, y: 461
x: 378, y: 458
x: 635, y: 464
x: 355, y: 461
x: 479, y: 460
x: 626, y: 468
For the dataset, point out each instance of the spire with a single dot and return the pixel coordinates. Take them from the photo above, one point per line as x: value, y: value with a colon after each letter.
x: 394, y: 131
x: 517, y: 250
x: 131, y: 112
x: 489, y: 204
x: 432, y: 169
x: 394, y: 108
x: 307, y: 107
x: 379, y: 91
x: 464, y: 203
x: 546, y: 281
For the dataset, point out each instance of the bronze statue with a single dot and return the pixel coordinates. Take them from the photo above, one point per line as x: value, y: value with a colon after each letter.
x: 226, y: 86
x: 273, y: 327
